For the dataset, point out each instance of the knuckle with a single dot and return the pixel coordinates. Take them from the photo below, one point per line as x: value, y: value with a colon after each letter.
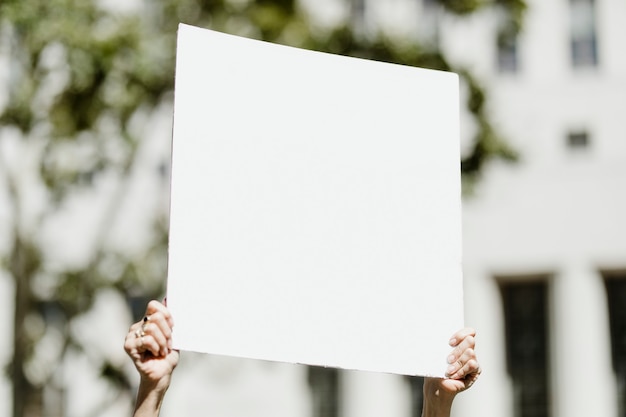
x: 156, y: 316
x: 167, y: 332
x: 157, y: 336
x: 148, y: 342
x: 470, y: 340
x: 153, y: 305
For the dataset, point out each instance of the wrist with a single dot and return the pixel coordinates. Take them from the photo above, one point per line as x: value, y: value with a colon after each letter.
x: 437, y: 401
x: 150, y: 397
x: 157, y: 386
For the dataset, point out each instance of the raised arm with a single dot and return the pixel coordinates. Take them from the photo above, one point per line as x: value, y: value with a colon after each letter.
x: 463, y: 370
x: 149, y: 345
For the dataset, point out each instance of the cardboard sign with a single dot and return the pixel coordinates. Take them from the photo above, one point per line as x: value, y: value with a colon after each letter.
x: 315, y: 207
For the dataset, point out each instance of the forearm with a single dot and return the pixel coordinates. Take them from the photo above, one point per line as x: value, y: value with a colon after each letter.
x: 149, y: 398
x: 437, y: 403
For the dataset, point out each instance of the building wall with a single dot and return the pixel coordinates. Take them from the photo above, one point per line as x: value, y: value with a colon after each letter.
x: 558, y: 212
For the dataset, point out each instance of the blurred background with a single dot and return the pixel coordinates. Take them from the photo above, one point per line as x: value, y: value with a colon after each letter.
x: 86, y: 99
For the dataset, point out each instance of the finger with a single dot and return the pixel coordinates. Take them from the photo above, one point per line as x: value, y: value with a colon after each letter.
x: 160, y: 341
x: 463, y: 339
x: 164, y: 324
x: 134, y: 331
x: 469, y: 371
x: 160, y: 331
x: 156, y: 307
x: 459, y: 354
x: 129, y: 342
x: 161, y: 321
x: 147, y: 343
x: 463, y: 366
x: 472, y: 375
x: 459, y: 336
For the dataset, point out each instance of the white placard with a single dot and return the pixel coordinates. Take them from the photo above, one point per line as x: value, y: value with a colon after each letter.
x: 315, y: 207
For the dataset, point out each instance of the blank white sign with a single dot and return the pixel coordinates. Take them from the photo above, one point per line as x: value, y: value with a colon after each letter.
x: 315, y: 207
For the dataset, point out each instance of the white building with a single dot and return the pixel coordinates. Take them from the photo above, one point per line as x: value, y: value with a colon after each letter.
x: 543, y: 238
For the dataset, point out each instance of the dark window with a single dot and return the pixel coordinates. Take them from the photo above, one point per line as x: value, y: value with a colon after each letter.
x: 324, y: 384
x: 416, y: 383
x: 358, y: 14
x: 429, y: 23
x: 526, y: 321
x: 616, y: 299
x: 507, y: 53
x: 138, y: 304
x: 578, y: 140
x: 358, y: 7
x: 584, y: 47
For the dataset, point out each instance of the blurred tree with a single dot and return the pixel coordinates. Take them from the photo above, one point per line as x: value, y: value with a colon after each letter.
x: 84, y: 80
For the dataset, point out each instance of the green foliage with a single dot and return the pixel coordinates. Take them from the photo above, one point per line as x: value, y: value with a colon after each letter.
x: 81, y: 79
x: 514, y: 11
x: 462, y: 7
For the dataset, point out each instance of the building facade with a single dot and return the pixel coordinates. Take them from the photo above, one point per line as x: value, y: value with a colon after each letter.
x: 544, y: 238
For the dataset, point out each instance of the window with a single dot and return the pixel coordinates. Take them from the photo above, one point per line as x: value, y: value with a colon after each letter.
x: 429, y: 23
x: 416, y: 384
x: 137, y: 304
x: 507, y: 53
x: 324, y: 384
x: 578, y: 139
x: 584, y: 50
x: 615, y: 283
x: 526, y: 330
x: 358, y: 14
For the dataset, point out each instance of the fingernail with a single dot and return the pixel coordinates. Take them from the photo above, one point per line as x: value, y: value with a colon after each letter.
x: 452, y: 341
x: 450, y: 369
x: 450, y: 358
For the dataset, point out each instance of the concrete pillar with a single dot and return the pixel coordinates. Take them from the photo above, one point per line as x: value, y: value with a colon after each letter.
x: 367, y: 394
x: 583, y: 382
x: 492, y: 395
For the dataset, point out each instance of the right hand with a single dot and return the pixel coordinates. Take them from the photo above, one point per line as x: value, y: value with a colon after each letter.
x: 149, y: 345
